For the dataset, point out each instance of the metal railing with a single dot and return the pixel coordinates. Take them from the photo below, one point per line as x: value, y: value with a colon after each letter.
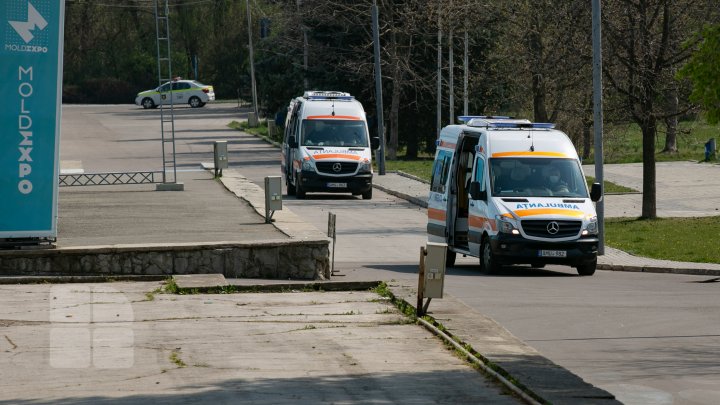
x: 110, y: 179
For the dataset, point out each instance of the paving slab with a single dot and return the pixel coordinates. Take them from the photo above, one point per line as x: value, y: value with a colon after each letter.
x: 122, y: 343
x: 200, y: 280
x: 137, y: 214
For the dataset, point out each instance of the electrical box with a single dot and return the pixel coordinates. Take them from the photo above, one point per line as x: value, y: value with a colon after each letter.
x: 273, y: 193
x: 434, y: 269
x: 221, y: 155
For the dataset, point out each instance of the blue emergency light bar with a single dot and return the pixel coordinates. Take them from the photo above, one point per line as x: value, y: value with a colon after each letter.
x: 533, y: 125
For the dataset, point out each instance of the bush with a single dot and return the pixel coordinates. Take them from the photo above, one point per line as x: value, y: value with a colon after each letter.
x: 100, y: 91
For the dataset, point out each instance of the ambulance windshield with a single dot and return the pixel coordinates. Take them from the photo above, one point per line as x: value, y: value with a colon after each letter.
x: 536, y: 177
x: 333, y: 132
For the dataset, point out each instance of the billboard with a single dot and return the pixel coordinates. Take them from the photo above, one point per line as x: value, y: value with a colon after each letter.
x: 31, y: 52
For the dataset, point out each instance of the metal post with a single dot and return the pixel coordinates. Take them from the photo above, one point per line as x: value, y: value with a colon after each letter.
x: 465, y: 79
x: 252, y: 62
x: 378, y: 91
x: 332, y: 234
x: 439, y: 79
x: 421, y: 283
x: 451, y: 79
x: 305, y: 49
x: 598, y: 116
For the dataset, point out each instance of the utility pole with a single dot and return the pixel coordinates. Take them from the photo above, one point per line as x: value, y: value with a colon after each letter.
x: 439, y: 78
x: 598, y: 117
x: 451, y: 77
x: 252, y: 62
x: 380, y: 155
x: 305, y: 50
x: 465, y: 79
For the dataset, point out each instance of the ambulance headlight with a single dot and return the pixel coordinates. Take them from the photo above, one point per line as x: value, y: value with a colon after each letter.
x: 506, y: 225
x: 308, y: 165
x: 592, y: 227
x: 365, y: 167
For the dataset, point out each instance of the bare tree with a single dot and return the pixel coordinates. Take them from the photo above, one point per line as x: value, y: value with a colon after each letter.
x: 640, y: 63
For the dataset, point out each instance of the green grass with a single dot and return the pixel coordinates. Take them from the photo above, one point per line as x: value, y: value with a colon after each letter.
x: 680, y: 239
x: 175, y: 358
x: 623, y: 143
x: 610, y: 187
x: 261, y: 130
x: 421, y: 168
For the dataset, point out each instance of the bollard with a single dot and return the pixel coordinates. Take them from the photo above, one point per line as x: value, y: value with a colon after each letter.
x: 710, y: 149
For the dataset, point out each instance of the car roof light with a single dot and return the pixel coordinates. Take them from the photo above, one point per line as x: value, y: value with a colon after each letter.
x: 520, y: 125
x: 466, y: 118
x: 327, y: 95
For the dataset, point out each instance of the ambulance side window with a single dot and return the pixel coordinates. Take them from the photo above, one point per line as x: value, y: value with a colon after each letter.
x: 480, y: 172
x: 441, y: 168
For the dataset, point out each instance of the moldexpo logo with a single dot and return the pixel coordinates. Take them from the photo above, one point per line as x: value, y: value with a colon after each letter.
x: 34, y: 24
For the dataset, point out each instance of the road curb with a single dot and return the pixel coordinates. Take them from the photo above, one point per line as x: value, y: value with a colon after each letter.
x: 8, y: 280
x: 283, y: 287
x: 414, y: 200
x: 514, y: 360
x: 660, y: 270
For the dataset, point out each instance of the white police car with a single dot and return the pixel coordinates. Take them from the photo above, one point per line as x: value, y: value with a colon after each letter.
x: 189, y: 92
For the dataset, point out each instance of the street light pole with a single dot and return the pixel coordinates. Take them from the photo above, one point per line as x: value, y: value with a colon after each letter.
x: 598, y: 116
x: 439, y: 79
x: 380, y: 155
x: 252, y: 62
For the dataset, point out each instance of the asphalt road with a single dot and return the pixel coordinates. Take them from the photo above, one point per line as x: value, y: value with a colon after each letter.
x: 647, y: 338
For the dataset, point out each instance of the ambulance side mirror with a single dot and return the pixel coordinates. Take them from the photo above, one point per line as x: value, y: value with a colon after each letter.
x: 375, y: 143
x: 596, y: 192
x: 292, y: 142
x: 475, y: 192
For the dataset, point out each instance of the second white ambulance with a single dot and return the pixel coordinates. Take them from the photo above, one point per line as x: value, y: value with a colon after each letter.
x: 327, y: 146
x: 512, y: 192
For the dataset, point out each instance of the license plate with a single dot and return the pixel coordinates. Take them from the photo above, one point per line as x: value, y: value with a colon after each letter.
x: 337, y: 185
x: 552, y: 253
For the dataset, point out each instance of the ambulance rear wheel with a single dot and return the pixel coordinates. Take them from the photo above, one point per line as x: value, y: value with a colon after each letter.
x: 367, y: 195
x: 488, y: 263
x: 587, y: 269
x: 450, y: 258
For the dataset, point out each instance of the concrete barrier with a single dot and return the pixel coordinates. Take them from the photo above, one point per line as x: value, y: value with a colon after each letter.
x: 281, y: 259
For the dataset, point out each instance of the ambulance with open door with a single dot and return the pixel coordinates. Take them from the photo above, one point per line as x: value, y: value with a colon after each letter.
x: 512, y: 192
x: 327, y: 146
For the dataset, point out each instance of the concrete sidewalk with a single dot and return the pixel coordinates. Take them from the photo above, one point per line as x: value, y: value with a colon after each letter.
x: 415, y: 190
x: 123, y: 343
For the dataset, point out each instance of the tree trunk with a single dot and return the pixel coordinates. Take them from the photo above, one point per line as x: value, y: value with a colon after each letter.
x: 671, y: 123
x: 538, y: 80
x: 649, y: 206
x: 412, y: 146
x: 587, y: 139
x: 394, y: 101
x: 394, y: 116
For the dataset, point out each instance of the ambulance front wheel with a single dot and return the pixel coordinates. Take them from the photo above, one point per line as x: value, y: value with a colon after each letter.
x: 587, y: 269
x: 488, y: 263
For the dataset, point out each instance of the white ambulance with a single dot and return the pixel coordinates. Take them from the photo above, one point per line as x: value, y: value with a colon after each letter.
x: 327, y: 146
x: 512, y: 192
